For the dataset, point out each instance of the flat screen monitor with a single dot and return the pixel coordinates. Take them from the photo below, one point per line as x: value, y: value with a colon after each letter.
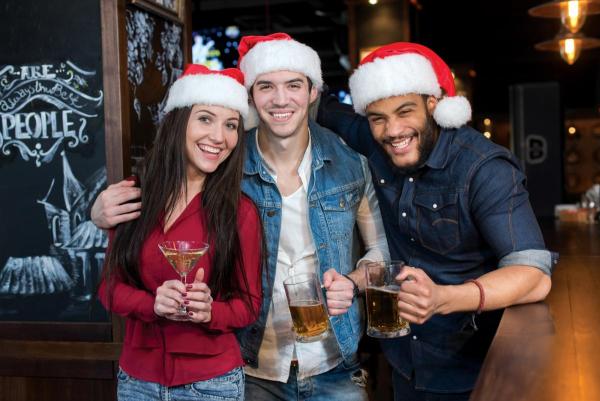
x: 216, y: 47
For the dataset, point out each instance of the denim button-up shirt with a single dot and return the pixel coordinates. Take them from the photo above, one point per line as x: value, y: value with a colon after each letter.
x: 336, y: 187
x: 463, y: 214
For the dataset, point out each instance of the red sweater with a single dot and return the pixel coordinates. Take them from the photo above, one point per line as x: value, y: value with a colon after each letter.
x: 174, y: 353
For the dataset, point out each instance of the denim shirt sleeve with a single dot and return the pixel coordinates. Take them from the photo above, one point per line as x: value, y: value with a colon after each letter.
x: 351, y: 127
x: 500, y: 206
x: 540, y: 258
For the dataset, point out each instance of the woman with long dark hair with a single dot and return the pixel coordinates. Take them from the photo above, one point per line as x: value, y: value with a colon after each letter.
x: 191, y: 191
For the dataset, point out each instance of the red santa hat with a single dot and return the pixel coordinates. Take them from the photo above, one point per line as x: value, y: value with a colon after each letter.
x: 401, y: 68
x: 201, y: 85
x: 278, y: 52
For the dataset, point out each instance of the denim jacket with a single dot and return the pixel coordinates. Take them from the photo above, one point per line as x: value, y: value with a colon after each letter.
x: 337, y: 185
x: 463, y: 214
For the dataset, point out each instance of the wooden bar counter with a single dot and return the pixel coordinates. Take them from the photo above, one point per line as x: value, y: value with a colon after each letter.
x: 551, y: 350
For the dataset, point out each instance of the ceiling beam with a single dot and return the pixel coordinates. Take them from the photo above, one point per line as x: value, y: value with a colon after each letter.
x: 212, y: 5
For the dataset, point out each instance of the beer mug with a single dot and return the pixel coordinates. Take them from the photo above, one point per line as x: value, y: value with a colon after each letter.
x: 305, y: 299
x: 384, y: 321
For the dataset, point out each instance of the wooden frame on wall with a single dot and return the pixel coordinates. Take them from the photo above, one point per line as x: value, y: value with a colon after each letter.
x: 173, y: 10
x: 73, y: 361
x: 48, y: 359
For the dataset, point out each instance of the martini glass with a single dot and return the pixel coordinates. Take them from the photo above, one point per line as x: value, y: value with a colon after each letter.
x: 183, y: 255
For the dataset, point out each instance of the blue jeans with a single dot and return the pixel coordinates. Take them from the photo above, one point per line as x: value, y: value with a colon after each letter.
x: 227, y: 387
x: 343, y: 383
x: 404, y: 390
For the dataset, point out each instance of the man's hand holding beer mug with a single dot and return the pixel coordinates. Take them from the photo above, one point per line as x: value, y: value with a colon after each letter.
x: 419, y: 297
x: 342, y: 289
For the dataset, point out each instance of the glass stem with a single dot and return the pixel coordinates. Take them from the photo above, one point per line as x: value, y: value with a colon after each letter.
x: 182, y: 307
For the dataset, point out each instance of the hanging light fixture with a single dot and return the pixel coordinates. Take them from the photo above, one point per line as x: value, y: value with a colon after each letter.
x: 572, y: 13
x: 569, y: 45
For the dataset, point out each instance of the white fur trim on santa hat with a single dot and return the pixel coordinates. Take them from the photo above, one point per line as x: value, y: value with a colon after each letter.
x: 392, y: 76
x: 281, y: 55
x: 208, y: 89
x: 452, y: 112
x: 253, y: 120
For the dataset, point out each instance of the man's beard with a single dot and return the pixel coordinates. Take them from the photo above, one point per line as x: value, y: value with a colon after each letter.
x: 427, y: 139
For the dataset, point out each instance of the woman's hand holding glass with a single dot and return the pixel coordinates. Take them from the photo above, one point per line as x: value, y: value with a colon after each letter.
x: 195, y: 296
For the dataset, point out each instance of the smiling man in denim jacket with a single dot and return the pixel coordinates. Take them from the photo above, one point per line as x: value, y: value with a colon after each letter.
x: 454, y: 207
x: 310, y: 189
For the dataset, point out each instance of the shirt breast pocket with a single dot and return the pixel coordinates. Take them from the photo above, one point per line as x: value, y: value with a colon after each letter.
x: 340, y: 212
x: 437, y: 221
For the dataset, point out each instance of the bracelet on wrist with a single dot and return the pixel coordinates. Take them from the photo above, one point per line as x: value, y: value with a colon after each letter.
x: 481, y: 294
x: 355, y: 290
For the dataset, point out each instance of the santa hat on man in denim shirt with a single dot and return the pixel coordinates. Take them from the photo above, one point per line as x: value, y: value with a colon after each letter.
x: 401, y: 68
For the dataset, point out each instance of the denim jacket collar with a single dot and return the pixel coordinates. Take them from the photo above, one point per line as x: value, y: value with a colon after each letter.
x: 254, y: 163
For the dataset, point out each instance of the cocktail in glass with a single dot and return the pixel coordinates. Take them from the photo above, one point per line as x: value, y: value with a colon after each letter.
x: 182, y: 256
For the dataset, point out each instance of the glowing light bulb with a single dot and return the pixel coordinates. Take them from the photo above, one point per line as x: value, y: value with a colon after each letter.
x: 570, y: 49
x: 372, y: 2
x: 572, y: 14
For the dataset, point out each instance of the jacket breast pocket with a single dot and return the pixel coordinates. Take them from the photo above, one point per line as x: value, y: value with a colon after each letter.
x: 340, y: 210
x: 437, y: 221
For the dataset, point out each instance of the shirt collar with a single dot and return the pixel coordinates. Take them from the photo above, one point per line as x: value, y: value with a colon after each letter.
x: 441, y: 151
x: 303, y: 168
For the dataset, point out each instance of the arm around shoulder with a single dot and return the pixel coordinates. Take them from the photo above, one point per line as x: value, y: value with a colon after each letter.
x: 351, y: 127
x: 116, y: 204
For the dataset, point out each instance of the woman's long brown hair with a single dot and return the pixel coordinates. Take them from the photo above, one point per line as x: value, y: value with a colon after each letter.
x: 162, y: 178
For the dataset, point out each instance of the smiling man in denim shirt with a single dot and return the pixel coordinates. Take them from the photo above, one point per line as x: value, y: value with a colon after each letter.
x: 454, y: 207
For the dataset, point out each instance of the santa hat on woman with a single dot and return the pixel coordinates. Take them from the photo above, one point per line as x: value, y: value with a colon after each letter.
x: 201, y: 85
x: 401, y: 68
x: 276, y: 52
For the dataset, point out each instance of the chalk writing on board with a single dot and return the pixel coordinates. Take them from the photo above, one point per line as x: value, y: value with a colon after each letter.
x: 44, y: 105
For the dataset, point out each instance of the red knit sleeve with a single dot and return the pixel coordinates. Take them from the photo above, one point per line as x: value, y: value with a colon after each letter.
x: 235, y: 313
x: 126, y: 300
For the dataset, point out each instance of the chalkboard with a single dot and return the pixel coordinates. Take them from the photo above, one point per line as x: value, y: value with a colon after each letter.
x: 52, y: 160
x: 154, y: 61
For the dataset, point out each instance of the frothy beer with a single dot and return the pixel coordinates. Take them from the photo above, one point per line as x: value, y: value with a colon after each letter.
x: 309, y: 318
x: 382, y: 311
x: 305, y: 299
x: 382, y: 300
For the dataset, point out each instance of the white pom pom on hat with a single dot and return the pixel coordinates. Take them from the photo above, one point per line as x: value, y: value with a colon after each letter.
x: 401, y: 68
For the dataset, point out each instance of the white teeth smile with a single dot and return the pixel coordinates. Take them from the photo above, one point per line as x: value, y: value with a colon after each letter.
x: 209, y: 149
x: 403, y: 143
x: 281, y: 116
